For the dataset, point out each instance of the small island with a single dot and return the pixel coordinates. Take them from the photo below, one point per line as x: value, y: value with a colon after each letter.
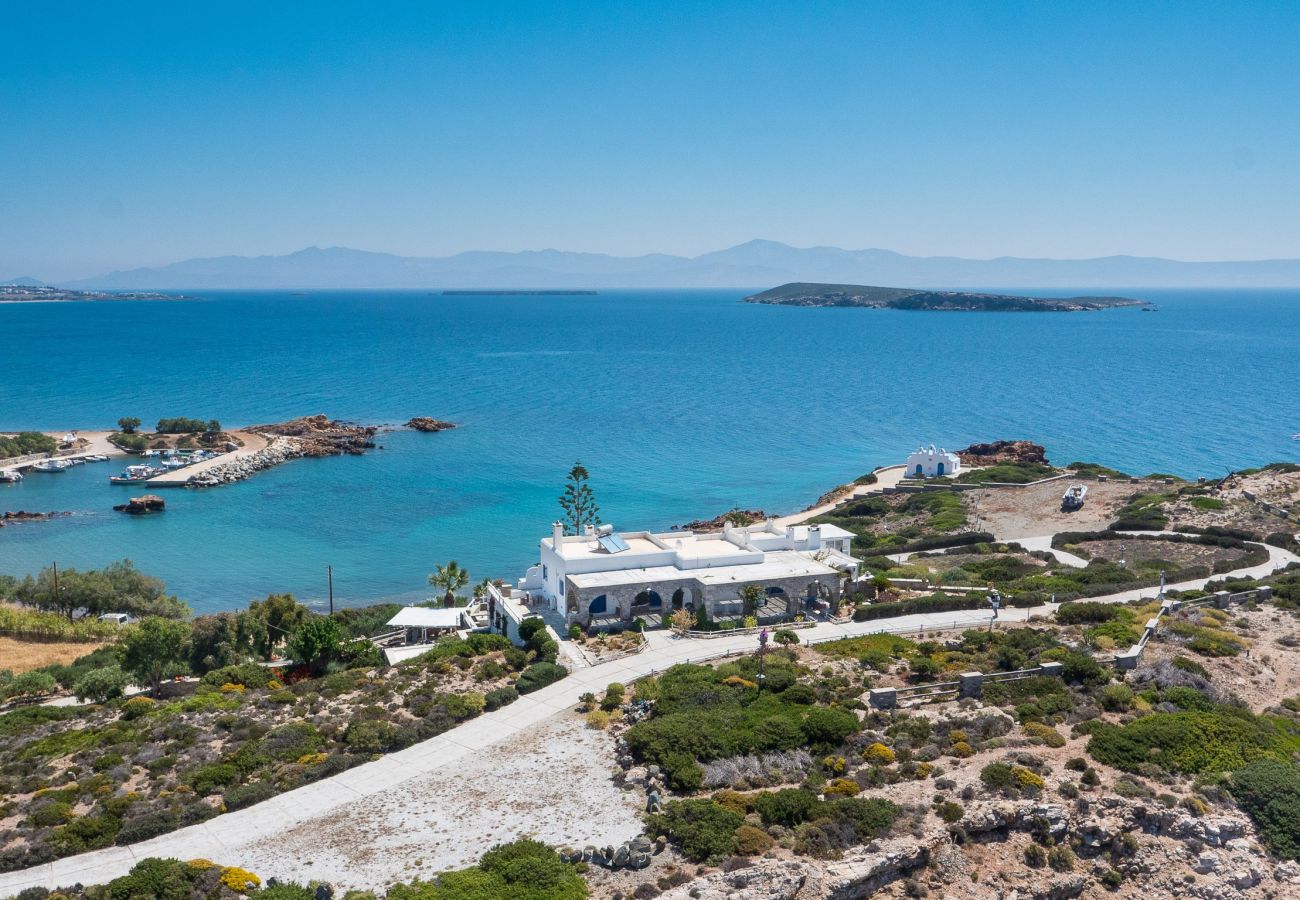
x: 803, y: 293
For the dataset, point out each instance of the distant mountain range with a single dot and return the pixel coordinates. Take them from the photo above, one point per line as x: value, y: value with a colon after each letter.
x: 753, y: 264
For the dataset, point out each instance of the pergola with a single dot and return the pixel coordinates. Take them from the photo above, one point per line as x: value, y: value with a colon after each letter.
x: 423, y: 623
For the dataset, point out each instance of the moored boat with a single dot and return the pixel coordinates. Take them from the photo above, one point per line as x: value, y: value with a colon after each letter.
x: 50, y: 465
x: 10, y: 476
x: 134, y: 475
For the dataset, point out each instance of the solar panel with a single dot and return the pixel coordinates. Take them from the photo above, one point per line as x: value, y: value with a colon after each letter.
x: 613, y: 543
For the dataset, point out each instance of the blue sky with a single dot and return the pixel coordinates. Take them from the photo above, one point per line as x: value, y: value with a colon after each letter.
x: 141, y: 134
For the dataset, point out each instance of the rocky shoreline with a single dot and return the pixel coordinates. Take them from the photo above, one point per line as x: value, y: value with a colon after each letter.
x: 307, y: 436
x: 24, y: 516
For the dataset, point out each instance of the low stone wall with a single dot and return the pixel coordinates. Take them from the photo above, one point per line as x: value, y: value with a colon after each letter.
x: 1271, y: 507
x: 1130, y: 658
x: 730, y: 632
x: 968, y: 684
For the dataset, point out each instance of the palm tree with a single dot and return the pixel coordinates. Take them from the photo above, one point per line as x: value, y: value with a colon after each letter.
x: 451, y: 578
x: 481, y: 589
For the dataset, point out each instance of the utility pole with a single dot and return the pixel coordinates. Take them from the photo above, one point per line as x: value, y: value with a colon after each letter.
x: 329, y: 574
x: 55, y: 598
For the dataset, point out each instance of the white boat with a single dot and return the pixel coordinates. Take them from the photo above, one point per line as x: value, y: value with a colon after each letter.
x: 10, y: 476
x: 134, y: 475
x: 50, y: 465
x: 150, y: 452
x: 96, y: 457
x: 1074, y: 496
x: 175, y: 462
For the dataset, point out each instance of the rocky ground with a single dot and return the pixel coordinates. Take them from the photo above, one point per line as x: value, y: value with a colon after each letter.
x: 552, y: 784
x: 321, y: 436
x: 1036, y: 509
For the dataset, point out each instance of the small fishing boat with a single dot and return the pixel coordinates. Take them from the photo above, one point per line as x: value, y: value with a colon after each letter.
x: 10, y: 476
x: 175, y: 462
x: 1074, y: 496
x: 50, y: 465
x: 134, y: 475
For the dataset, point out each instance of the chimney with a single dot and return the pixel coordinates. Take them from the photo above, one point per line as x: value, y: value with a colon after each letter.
x: 557, y: 535
x: 789, y: 535
x: 589, y: 530
x: 814, y: 537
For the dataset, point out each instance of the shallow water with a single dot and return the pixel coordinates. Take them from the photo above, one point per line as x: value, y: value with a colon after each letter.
x: 682, y: 403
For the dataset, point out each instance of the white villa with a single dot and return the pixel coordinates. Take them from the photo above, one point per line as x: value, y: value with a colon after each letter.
x: 605, y: 577
x: 927, y: 462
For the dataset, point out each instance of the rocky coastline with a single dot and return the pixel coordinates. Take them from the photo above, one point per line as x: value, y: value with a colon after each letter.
x: 25, y: 516
x: 307, y: 436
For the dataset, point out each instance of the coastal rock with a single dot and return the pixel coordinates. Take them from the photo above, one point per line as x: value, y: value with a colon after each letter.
x: 424, y: 423
x: 24, y: 516
x: 321, y: 436
x: 140, y: 505
x: 1003, y: 452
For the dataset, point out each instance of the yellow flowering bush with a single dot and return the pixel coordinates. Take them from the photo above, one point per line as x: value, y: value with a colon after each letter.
x: 240, y: 880
x: 842, y: 787
x: 229, y: 688
x: 878, y: 754
x: 136, y: 707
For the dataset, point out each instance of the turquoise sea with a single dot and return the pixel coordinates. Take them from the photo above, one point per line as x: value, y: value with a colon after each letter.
x: 683, y: 404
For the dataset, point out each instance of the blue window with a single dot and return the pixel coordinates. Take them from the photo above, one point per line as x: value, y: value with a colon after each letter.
x: 545, y: 572
x: 598, y: 605
x: 561, y: 588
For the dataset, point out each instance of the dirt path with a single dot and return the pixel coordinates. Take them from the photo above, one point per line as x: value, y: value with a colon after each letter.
x: 885, y: 478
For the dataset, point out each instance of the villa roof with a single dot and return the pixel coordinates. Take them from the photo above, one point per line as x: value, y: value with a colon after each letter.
x: 776, y: 564
x: 425, y: 617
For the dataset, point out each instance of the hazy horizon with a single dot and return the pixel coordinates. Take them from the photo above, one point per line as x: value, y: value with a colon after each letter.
x: 964, y: 130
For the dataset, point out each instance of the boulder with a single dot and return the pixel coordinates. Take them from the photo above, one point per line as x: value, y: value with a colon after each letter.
x: 1207, y: 862
x: 426, y: 424
x: 1001, y: 452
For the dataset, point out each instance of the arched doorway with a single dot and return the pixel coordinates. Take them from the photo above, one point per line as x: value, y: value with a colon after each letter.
x: 939, y: 470
x: 599, y: 605
x: 683, y: 599
x: 648, y: 600
x: 918, y: 469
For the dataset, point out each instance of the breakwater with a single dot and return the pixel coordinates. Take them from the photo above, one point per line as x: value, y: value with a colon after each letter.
x: 280, y: 450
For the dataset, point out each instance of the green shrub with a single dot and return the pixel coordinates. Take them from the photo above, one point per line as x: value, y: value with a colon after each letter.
x: 149, y: 825
x: 247, y: 794
x: 538, y: 676
x: 369, y: 735
x: 248, y: 674
x: 683, y: 773
x: 828, y: 728
x: 499, y: 697
x: 950, y: 812
x: 1194, y: 741
x: 788, y: 807
x: 207, y: 778
x: 702, y: 830
x: 1269, y: 792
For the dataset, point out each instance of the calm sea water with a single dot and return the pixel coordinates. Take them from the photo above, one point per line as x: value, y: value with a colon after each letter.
x: 682, y: 404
